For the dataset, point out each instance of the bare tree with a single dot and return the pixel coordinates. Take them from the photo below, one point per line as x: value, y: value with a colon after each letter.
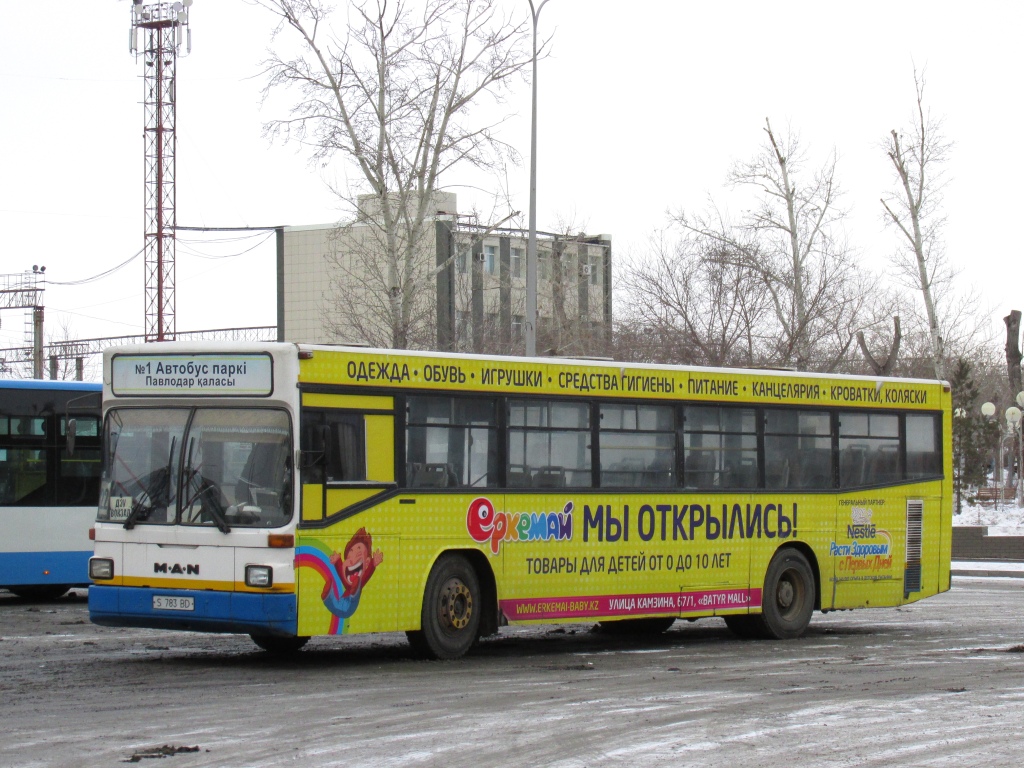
x: 1013, y: 355
x: 792, y: 241
x: 695, y: 297
x: 398, y: 92
x: 884, y: 365
x: 69, y: 357
x: 917, y: 155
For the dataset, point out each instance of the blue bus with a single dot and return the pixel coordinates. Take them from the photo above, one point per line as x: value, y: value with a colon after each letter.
x: 49, y: 484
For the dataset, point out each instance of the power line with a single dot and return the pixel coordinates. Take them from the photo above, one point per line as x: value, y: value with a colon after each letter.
x: 101, y: 275
x: 112, y: 270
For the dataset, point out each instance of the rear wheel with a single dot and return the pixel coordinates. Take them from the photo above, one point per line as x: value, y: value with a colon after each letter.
x: 450, y: 619
x: 279, y: 645
x: 637, y: 627
x: 788, y: 597
x: 41, y: 591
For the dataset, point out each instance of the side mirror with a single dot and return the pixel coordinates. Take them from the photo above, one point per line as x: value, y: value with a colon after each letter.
x: 72, y: 430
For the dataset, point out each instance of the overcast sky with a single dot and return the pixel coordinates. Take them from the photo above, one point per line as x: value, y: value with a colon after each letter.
x: 643, y: 108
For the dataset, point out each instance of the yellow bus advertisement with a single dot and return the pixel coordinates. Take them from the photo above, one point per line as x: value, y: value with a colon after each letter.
x: 447, y: 495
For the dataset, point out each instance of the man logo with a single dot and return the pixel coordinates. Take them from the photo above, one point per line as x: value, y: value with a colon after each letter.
x: 174, y: 568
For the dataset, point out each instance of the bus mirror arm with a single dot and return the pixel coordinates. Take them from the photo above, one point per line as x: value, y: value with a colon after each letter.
x: 72, y: 424
x: 325, y: 442
x: 305, y: 460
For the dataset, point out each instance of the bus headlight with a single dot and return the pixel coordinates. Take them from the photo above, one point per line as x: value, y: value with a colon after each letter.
x: 259, y: 576
x: 101, y: 568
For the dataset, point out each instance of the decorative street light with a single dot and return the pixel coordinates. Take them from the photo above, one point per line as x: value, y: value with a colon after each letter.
x: 1011, y: 431
x: 531, y: 250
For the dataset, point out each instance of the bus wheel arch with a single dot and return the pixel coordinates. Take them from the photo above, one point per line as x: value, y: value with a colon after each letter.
x: 790, y: 593
x: 812, y: 560
x: 457, y: 606
x: 40, y: 592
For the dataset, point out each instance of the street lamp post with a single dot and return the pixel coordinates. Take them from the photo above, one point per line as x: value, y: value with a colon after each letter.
x: 958, y: 415
x: 988, y: 410
x: 531, y: 249
x: 1014, y: 424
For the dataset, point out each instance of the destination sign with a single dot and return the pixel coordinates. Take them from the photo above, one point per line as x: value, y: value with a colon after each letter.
x: 204, y: 375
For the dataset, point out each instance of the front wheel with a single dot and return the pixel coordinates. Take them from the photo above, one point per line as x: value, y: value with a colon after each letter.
x: 450, y: 620
x: 788, y: 597
x: 279, y: 645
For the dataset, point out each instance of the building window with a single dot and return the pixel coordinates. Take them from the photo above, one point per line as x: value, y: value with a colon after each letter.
x: 463, y: 326
x: 491, y: 259
x: 595, y: 270
x: 462, y: 261
x: 543, y: 266
x: 517, y: 327
x: 516, y: 260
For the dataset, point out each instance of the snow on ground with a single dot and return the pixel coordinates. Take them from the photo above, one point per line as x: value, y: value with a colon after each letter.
x: 1008, y: 520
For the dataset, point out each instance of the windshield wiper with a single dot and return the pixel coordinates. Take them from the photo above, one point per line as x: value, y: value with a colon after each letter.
x: 216, y: 509
x: 207, y: 488
x: 159, y: 485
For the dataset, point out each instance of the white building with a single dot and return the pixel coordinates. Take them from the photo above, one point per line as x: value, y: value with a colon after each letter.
x: 465, y: 289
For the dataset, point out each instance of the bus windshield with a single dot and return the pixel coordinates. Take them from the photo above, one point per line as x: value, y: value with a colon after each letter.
x: 219, y: 467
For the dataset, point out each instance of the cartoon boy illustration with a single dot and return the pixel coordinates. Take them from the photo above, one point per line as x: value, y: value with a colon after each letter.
x: 354, y: 571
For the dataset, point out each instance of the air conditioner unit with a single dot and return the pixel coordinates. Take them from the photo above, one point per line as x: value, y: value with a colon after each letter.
x: 585, y: 270
x: 478, y: 257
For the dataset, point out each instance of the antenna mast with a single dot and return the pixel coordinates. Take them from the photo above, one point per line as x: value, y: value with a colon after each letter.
x: 159, y: 32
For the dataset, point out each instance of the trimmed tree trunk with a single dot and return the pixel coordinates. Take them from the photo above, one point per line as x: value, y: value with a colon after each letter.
x: 1013, y: 355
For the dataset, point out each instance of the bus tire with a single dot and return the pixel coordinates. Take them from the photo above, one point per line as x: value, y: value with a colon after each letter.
x: 450, y: 620
x: 279, y: 645
x: 41, y: 592
x: 636, y: 627
x: 788, y: 597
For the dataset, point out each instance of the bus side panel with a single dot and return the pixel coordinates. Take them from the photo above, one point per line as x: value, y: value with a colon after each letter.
x: 936, y: 535
x: 813, y: 517
x: 45, y: 545
x: 348, y: 577
x: 875, y: 567
x: 44, y: 568
x: 578, y: 556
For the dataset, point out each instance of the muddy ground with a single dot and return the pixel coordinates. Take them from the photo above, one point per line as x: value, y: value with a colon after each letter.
x: 939, y: 682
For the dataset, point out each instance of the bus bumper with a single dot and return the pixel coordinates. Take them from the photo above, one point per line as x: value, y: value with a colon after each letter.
x: 234, y: 612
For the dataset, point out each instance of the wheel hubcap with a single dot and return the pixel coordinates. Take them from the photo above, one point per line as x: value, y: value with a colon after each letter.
x: 785, y: 595
x: 456, y: 605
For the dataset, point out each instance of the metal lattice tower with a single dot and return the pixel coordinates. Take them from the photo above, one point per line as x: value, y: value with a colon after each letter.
x: 159, y: 33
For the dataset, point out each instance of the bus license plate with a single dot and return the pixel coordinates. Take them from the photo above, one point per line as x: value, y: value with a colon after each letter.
x: 163, y: 603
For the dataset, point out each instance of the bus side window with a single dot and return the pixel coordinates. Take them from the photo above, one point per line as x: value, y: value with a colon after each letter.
x: 346, y: 459
x: 334, y: 446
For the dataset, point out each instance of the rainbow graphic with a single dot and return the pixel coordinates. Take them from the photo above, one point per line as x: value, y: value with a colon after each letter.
x: 316, y: 555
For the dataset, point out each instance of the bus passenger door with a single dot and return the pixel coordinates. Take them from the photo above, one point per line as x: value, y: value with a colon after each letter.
x: 347, y: 548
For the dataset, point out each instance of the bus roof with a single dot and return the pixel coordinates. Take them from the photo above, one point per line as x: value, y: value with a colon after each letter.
x: 48, y: 384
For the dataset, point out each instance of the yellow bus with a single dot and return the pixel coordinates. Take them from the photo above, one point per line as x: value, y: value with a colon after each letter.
x: 289, y: 491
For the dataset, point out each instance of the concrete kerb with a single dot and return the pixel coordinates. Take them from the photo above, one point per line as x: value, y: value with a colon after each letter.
x: 975, y: 553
